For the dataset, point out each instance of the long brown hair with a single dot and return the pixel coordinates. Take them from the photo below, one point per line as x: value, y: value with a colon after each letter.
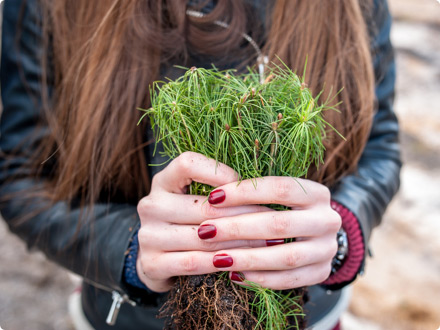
x: 107, y: 53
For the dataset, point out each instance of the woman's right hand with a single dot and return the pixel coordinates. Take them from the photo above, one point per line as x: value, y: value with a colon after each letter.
x: 169, y: 242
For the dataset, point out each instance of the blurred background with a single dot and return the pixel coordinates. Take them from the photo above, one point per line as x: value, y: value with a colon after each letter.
x: 401, y: 286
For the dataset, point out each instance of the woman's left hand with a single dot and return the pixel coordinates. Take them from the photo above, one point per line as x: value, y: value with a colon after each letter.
x: 311, y: 221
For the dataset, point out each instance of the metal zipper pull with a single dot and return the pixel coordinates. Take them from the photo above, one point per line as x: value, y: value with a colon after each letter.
x: 118, y: 300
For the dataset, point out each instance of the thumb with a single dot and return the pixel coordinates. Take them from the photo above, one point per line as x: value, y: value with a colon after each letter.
x: 192, y: 166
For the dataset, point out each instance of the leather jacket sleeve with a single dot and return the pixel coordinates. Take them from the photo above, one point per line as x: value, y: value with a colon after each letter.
x: 368, y: 191
x: 64, y: 232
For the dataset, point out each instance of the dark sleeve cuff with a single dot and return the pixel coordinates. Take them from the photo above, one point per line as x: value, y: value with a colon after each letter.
x: 130, y: 275
x: 356, y: 250
x: 132, y: 285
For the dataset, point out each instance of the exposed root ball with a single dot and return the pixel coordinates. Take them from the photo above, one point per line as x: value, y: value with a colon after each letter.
x: 211, y: 302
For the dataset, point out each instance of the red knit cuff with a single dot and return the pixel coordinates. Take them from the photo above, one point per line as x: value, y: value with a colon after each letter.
x: 356, y: 247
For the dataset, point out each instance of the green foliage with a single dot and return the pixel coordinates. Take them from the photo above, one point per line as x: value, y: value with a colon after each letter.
x: 276, y: 128
x: 275, y: 307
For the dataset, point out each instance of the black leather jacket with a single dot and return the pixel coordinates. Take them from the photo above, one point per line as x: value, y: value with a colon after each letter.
x: 98, y: 251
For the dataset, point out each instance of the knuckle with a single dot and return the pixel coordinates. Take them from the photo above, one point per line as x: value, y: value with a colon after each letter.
x: 149, y: 268
x: 210, y: 212
x: 279, y: 225
x: 334, y: 221
x: 261, y: 279
x: 156, y: 179
x: 145, y: 236
x: 291, y: 259
x: 189, y: 264
x: 208, y: 246
x: 282, y: 189
x: 233, y: 230
x: 324, y: 272
x: 143, y: 206
x: 325, y: 194
x: 184, y: 161
x: 333, y: 249
x: 328, y: 271
x: 250, y: 262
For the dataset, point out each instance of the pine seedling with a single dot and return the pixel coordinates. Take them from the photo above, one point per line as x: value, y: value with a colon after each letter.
x: 273, y: 128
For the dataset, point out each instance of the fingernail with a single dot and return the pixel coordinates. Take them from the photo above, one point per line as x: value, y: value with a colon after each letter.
x: 216, y: 196
x: 207, y: 231
x: 222, y: 261
x: 271, y: 242
x: 237, y: 277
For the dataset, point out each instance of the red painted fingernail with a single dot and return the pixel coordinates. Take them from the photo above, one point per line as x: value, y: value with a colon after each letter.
x: 207, y: 231
x: 237, y: 277
x: 216, y: 197
x: 271, y: 242
x: 222, y: 260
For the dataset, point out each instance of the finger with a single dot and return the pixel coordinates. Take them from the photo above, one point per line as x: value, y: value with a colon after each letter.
x: 156, y: 284
x: 282, y: 257
x: 160, y: 265
x: 187, y: 209
x: 164, y: 265
x: 292, y: 192
x: 286, y: 279
x: 191, y: 166
x: 185, y: 238
x: 274, y: 225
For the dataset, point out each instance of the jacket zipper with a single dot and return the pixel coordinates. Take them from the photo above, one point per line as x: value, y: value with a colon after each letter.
x: 118, y: 300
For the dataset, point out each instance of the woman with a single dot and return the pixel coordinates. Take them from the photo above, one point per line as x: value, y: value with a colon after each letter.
x: 75, y: 181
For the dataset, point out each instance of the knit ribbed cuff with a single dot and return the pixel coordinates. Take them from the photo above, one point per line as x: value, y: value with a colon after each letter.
x: 356, y: 248
x: 130, y: 273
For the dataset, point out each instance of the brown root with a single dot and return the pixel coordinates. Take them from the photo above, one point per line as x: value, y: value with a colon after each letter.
x: 211, y: 302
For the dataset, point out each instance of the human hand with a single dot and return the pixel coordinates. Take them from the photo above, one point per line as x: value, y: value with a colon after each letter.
x: 169, y: 243
x: 280, y: 265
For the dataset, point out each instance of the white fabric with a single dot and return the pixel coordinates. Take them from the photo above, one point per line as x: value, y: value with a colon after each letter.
x: 76, y: 313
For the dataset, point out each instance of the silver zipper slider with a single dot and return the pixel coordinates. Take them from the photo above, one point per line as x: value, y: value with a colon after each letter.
x: 118, y: 300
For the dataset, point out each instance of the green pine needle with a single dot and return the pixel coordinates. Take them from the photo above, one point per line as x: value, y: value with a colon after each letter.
x: 276, y: 128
